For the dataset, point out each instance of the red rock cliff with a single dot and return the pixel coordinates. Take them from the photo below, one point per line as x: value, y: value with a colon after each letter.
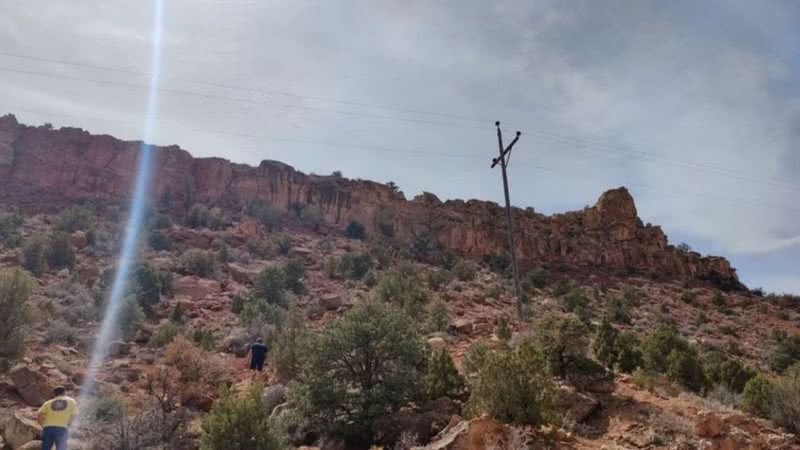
x: 41, y: 167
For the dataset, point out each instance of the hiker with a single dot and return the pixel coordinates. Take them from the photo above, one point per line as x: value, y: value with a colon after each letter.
x: 55, y: 417
x: 258, y: 353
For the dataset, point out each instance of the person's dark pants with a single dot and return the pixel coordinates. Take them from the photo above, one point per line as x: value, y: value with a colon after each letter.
x: 257, y: 364
x: 54, y: 436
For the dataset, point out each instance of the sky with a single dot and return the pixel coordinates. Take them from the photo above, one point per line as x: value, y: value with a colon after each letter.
x: 694, y: 106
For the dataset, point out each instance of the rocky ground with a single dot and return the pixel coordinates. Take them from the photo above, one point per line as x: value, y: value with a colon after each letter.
x: 614, y: 415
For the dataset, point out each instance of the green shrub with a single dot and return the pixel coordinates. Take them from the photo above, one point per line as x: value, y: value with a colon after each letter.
x: 204, y: 339
x: 270, y: 216
x: 9, y: 229
x: 312, y: 215
x: 629, y: 357
x: 384, y: 219
x: 785, y: 353
x: 575, y: 300
x: 757, y: 395
x: 34, y: 259
x: 688, y: 296
x: 261, y: 317
x: 262, y: 248
x: 632, y: 295
x: 358, y: 368
x: 270, y: 285
x: 237, y: 304
x: 293, y: 272
x: 683, y: 367
x: 562, y: 338
x: 62, y: 333
x: 147, y: 286
x: 60, y: 253
x: 465, y: 270
x: 721, y: 370
x: 442, y: 378
x: 381, y: 249
x: 498, y: 263
x: 474, y: 359
x: 15, y: 288
x: 177, y: 316
x: 438, y: 316
x: 330, y: 266
x: 76, y: 218
x: 200, y: 216
x: 354, y: 265
x: 167, y: 281
x: 717, y: 298
x: 283, y: 243
x: 130, y: 316
x: 241, y: 422
x: 356, y: 230
x: 159, y: 241
x: 617, y: 311
x: 785, y: 408
x: 539, y: 278
x: 108, y: 408
x: 164, y: 335
x: 563, y: 287
x: 287, y: 348
x: 604, y: 345
x: 503, y: 330
x: 513, y: 386
x: 161, y: 222
x: 438, y: 279
x: 199, y: 262
x: 658, y: 346
x: 402, y: 288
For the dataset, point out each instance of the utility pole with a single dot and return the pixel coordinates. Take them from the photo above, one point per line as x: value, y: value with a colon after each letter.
x: 503, y: 159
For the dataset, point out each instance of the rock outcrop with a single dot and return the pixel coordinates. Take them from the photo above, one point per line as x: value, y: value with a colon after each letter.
x: 41, y: 167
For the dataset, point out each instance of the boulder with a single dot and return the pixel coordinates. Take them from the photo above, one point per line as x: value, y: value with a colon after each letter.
x: 273, y: 396
x: 463, y: 326
x: 331, y: 302
x: 19, y: 430
x: 425, y: 423
x: 119, y: 349
x: 79, y: 240
x: 302, y: 253
x: 237, y: 342
x: 709, y: 425
x: 574, y: 405
x: 245, y: 274
x: 32, y: 385
x: 32, y: 445
x: 437, y: 343
x: 476, y: 434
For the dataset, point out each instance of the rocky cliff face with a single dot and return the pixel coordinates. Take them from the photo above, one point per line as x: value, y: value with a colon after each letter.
x: 41, y: 168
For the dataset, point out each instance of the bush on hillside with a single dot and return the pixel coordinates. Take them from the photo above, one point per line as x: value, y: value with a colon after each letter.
x: 403, y: 288
x: 356, y: 230
x: 354, y: 265
x: 15, y: 288
x: 34, y: 258
x: 498, y: 263
x: 727, y: 372
x: 293, y: 271
x: 438, y: 316
x: 60, y: 252
x: 684, y: 367
x: 617, y: 311
x: 160, y: 241
x: 465, y: 270
x: 629, y: 355
x: 513, y: 386
x: 785, y: 353
x: 658, y: 345
x: 538, y: 278
x: 287, y: 348
x: 757, y: 395
x: 76, y: 218
x: 199, y: 262
x: 200, y: 216
x: 147, y: 286
x: 161, y: 222
x: 604, y: 345
x: 312, y: 216
x: 130, y: 316
x: 9, y: 229
x: 241, y: 422
x: 270, y: 285
x: 785, y: 407
x: 562, y: 339
x: 438, y: 278
x: 165, y: 334
x: 270, y: 216
x: 167, y: 281
x: 442, y: 378
x: 358, y: 368
x: 474, y: 359
x: 503, y: 330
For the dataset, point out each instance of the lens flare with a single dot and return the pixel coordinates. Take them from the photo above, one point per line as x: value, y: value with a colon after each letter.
x: 134, y: 224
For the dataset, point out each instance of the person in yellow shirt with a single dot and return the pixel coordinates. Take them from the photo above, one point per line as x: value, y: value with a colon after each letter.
x: 55, y: 417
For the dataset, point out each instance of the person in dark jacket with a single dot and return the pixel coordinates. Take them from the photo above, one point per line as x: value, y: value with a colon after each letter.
x: 258, y: 354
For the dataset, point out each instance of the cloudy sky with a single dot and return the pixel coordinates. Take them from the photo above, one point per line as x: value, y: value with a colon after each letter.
x: 694, y: 106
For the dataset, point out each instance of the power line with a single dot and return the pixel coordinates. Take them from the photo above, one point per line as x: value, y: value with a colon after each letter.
x: 542, y: 134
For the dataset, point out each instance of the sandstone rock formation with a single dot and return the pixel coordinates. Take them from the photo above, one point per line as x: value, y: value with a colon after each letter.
x: 41, y: 167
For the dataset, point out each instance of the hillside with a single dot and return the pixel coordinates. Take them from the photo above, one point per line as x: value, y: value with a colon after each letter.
x: 219, y: 234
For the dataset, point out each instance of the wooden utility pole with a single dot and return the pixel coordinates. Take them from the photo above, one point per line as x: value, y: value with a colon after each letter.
x: 503, y: 159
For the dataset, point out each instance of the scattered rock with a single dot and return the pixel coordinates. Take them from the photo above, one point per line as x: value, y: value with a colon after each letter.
x: 237, y: 342
x: 574, y: 405
x: 31, y: 385
x: 273, y: 396
x: 330, y: 302
x: 79, y: 240
x: 119, y: 349
x: 475, y: 434
x: 19, y: 430
x: 245, y: 274
x: 437, y: 343
x: 709, y: 425
x: 463, y: 326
